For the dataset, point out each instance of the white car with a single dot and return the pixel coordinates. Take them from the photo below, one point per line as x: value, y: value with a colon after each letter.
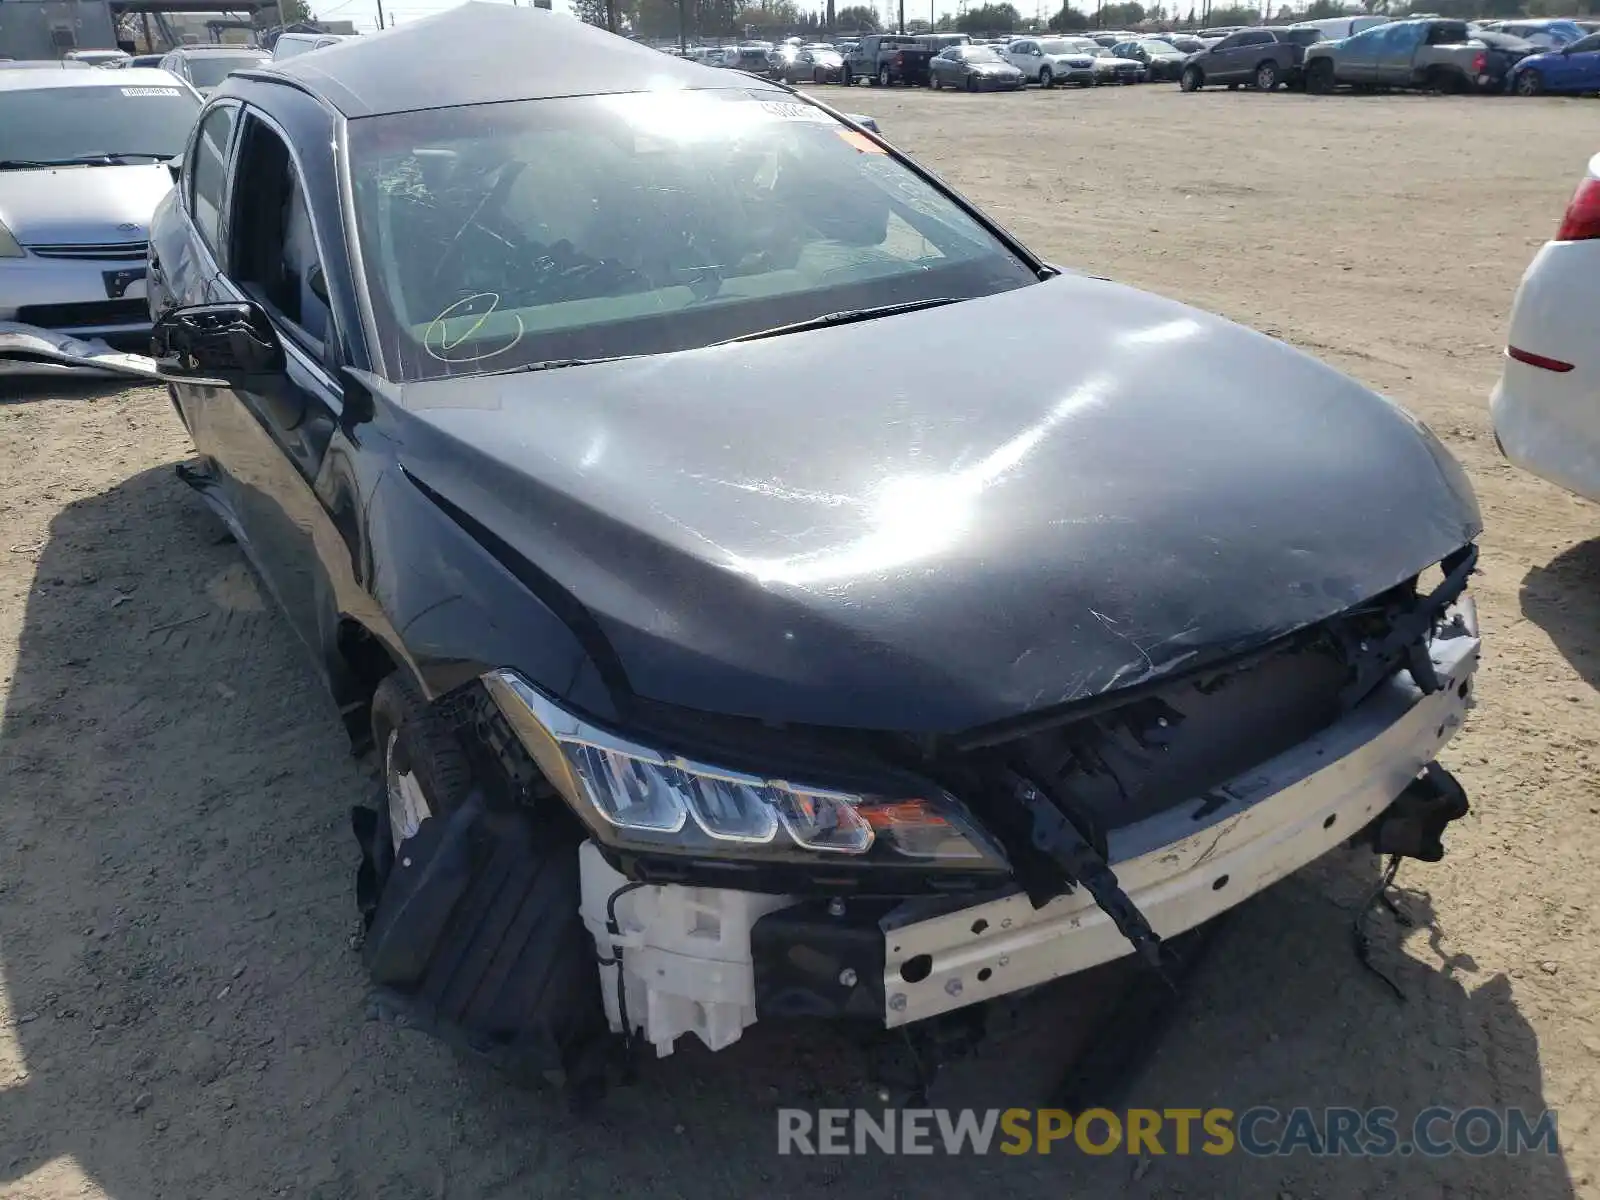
x: 1546, y: 408
x: 290, y: 45
x: 98, y: 58
x: 205, y: 67
x: 83, y: 162
x: 1049, y: 61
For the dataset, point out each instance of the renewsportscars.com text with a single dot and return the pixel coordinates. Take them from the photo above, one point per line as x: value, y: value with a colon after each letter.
x: 1259, y: 1132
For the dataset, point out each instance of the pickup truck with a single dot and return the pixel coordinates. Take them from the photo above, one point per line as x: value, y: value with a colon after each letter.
x: 885, y: 58
x: 1261, y: 58
x: 1438, y: 55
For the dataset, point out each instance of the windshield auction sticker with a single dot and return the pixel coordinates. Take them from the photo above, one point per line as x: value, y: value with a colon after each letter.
x: 149, y: 91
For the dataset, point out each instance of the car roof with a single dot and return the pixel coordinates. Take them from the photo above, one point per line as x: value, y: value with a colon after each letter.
x: 27, y: 81
x: 484, y: 54
x: 234, y: 50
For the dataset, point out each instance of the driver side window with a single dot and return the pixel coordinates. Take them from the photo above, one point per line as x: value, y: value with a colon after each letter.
x: 275, y: 260
x: 205, y: 175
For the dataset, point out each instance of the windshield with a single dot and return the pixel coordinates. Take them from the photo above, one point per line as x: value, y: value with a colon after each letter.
x: 1159, y: 49
x: 52, y: 124
x: 502, y: 235
x: 980, y: 54
x: 208, y: 70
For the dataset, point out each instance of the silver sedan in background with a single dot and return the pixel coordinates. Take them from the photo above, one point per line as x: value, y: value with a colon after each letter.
x: 83, y: 163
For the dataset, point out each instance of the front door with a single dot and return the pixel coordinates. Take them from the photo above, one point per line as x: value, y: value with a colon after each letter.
x: 269, y: 445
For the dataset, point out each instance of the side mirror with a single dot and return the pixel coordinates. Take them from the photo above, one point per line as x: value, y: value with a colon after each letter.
x: 217, y: 345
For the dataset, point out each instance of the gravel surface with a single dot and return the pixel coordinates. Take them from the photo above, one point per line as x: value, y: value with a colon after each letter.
x: 181, y: 1013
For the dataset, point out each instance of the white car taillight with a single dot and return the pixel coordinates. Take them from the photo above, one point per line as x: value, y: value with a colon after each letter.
x: 1582, y: 221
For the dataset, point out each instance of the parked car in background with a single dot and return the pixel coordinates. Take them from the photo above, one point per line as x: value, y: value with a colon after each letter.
x: 1334, y: 28
x: 752, y: 57
x: 814, y: 65
x: 1185, y: 42
x: 98, y: 58
x: 290, y: 45
x: 140, y: 60
x: 83, y: 163
x: 1260, y: 58
x: 973, y: 69
x: 844, y: 714
x: 1162, y: 61
x: 204, y: 67
x: 888, y: 58
x: 1548, y: 34
x: 1544, y: 410
x: 1435, y: 54
x: 1110, y: 68
x: 1049, y: 61
x: 42, y: 64
x: 1574, y: 68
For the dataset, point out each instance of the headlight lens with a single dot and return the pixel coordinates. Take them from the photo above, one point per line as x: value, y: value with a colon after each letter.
x: 8, y: 244
x: 633, y: 797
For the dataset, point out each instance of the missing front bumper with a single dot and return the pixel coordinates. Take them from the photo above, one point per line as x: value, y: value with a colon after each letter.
x: 711, y: 961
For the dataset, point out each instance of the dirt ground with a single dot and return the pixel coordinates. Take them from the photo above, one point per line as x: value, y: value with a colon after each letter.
x: 181, y: 1013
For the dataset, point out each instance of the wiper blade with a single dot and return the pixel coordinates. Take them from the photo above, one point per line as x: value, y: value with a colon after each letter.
x: 845, y: 317
x: 555, y: 364
x: 107, y: 159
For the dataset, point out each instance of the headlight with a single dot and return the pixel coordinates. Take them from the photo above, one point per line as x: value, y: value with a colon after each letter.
x: 633, y: 797
x: 8, y: 244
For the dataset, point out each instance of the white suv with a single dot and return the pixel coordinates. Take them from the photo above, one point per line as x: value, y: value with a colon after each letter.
x: 1049, y: 61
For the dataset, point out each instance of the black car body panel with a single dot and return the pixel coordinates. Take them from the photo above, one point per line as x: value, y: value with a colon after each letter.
x: 927, y: 551
x: 948, y: 552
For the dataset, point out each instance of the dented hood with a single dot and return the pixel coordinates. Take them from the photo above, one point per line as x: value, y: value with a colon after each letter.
x: 936, y: 520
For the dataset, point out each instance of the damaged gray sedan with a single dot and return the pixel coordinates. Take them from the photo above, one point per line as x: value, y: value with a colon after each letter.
x: 708, y: 685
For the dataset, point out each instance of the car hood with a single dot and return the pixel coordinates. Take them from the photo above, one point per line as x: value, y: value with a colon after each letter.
x: 82, y: 205
x: 1111, y: 60
x: 1070, y: 60
x: 862, y: 526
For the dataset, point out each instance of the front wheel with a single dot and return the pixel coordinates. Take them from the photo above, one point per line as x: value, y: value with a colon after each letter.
x: 972, y: 83
x: 1267, y: 77
x: 1529, y: 83
x: 884, y: 77
x: 845, y: 79
x: 1319, y: 78
x: 1190, y: 80
x: 933, y: 81
x: 1046, y: 77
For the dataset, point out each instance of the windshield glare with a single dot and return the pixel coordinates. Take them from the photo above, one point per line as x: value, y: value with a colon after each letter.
x: 79, y: 122
x: 590, y: 227
x: 208, y: 70
x: 980, y: 54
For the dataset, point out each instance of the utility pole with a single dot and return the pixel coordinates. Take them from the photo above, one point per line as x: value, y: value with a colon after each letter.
x: 902, y: 16
x: 381, y: 24
x: 683, y: 27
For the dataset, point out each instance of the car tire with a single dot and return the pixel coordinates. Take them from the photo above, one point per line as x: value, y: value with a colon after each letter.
x: 1267, y: 77
x: 1319, y: 78
x: 885, y: 77
x: 539, y: 1012
x: 415, y: 744
x: 1191, y: 79
x: 933, y: 81
x: 845, y: 78
x: 972, y: 83
x: 1047, y: 77
x: 1529, y: 83
x: 816, y: 76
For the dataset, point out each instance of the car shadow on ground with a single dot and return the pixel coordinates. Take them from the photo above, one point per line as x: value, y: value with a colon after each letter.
x: 1563, y: 598
x: 186, y: 1015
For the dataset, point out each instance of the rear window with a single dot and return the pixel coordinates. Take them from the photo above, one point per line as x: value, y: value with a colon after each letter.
x: 587, y: 227
x: 61, y: 124
x: 208, y: 70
